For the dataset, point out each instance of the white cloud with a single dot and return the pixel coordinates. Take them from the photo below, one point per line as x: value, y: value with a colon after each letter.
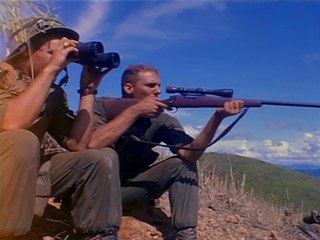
x: 156, y: 23
x: 305, y: 147
x: 180, y: 114
x: 89, y: 20
x: 145, y: 23
x: 191, y: 130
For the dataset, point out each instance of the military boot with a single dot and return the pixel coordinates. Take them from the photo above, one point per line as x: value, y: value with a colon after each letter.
x: 313, y: 218
x: 111, y: 234
x: 187, y: 234
x: 85, y: 237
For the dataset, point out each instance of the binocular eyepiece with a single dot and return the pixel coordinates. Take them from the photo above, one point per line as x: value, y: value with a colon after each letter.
x: 92, y: 54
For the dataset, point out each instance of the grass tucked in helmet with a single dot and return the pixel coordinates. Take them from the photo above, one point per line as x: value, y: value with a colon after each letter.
x: 31, y: 32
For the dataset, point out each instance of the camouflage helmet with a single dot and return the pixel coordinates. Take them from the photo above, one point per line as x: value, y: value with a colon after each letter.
x: 29, y: 31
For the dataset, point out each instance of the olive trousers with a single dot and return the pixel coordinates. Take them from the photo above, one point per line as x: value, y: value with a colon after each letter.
x: 178, y: 176
x: 90, y: 177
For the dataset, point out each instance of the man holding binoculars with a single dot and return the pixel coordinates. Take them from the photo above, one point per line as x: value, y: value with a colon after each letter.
x: 37, y: 129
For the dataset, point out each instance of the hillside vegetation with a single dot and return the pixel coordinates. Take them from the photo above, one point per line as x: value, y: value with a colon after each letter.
x: 227, y: 211
x: 272, y: 183
x: 240, y: 199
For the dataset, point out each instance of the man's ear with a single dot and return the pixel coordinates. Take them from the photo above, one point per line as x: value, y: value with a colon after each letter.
x: 128, y: 88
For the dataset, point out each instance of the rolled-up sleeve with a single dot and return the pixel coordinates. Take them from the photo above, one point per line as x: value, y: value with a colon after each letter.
x: 10, y: 87
x: 99, y: 114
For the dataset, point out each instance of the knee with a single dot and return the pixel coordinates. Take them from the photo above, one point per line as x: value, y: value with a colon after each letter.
x: 27, y: 145
x: 176, y: 162
x: 21, y: 139
x: 110, y: 159
x: 110, y: 155
x: 106, y: 159
x: 182, y: 168
x: 22, y: 145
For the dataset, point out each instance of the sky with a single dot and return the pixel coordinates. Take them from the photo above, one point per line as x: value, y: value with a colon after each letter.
x: 268, y: 50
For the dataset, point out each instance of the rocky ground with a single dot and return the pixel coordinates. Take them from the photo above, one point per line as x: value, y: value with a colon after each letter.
x: 225, y: 213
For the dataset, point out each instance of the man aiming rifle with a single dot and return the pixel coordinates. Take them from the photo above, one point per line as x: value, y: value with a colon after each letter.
x: 141, y: 180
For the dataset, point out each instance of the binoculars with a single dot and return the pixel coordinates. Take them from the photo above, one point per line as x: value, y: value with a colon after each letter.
x: 92, y: 54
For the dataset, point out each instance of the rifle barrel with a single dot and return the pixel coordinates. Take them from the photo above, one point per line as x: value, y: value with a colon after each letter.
x: 291, y: 104
x: 179, y: 101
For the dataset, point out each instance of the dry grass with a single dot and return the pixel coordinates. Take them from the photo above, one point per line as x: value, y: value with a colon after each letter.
x: 226, y: 212
x: 238, y: 214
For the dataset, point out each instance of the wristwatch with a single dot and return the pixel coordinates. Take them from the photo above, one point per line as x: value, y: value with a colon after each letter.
x: 87, y: 91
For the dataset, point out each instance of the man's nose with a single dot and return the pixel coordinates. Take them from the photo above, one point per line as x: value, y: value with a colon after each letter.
x: 157, y: 90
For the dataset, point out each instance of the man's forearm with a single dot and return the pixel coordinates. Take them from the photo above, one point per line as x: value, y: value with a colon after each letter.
x: 23, y: 110
x: 202, y: 140
x: 110, y: 132
x: 81, y: 130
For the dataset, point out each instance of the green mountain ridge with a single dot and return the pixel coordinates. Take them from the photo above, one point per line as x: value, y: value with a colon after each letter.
x: 281, y: 186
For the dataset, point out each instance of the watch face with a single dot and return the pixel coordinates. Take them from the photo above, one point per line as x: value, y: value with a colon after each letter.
x: 87, y: 91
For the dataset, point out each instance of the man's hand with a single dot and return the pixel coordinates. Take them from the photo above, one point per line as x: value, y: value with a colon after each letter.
x: 59, y: 53
x: 92, y: 76
x: 230, y: 108
x: 149, y: 107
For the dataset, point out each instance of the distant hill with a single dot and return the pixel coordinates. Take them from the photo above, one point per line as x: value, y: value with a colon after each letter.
x: 311, y: 170
x: 314, y: 173
x: 273, y: 183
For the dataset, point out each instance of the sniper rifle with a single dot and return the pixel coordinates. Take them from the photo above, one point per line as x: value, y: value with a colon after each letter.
x: 195, y: 98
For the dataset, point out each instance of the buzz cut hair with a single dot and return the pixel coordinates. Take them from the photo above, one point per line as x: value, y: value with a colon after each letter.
x: 131, y: 72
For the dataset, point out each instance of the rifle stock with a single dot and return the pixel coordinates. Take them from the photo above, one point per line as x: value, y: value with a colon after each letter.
x: 114, y: 106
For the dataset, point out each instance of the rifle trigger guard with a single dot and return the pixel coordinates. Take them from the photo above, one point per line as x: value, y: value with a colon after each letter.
x: 173, y: 109
x: 169, y: 102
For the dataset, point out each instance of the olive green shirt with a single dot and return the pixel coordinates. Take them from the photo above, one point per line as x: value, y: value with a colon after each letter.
x: 136, y: 156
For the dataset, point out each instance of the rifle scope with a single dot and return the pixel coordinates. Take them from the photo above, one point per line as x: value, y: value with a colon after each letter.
x: 225, y: 92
